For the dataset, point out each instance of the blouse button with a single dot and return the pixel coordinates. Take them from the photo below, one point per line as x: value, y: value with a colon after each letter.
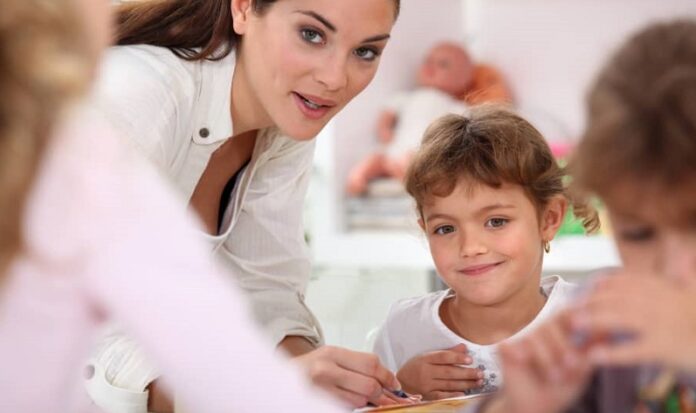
x: 204, y: 133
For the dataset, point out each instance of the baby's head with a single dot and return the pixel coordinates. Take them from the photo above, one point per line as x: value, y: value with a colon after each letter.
x: 448, y: 68
x: 490, y: 197
x: 639, y: 150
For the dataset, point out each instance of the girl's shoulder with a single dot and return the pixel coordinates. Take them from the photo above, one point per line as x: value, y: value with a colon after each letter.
x: 557, y: 288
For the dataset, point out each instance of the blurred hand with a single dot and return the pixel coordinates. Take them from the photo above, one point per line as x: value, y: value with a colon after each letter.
x: 544, y: 372
x: 440, y: 374
x: 635, y: 319
x: 354, y: 377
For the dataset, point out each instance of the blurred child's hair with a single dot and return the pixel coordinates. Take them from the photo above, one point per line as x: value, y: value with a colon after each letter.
x: 642, y: 114
x: 45, y: 60
x: 491, y: 146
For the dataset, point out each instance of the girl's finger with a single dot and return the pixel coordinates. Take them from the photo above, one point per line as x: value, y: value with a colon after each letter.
x: 456, y: 373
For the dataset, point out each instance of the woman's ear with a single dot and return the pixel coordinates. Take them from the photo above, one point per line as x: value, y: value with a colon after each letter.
x: 241, y: 11
x: 552, y: 217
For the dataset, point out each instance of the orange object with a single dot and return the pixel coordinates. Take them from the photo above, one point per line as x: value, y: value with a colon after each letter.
x: 488, y: 85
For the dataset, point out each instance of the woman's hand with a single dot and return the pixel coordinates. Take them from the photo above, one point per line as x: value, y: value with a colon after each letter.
x: 544, y: 372
x: 355, y: 377
x: 440, y: 374
x: 634, y: 319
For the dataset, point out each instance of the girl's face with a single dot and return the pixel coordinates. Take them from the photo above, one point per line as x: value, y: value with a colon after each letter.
x: 655, y: 229
x: 487, y: 243
x: 301, y: 61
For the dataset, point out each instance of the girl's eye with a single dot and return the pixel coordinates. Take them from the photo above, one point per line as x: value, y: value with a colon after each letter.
x: 445, y: 229
x: 366, y: 53
x: 312, y: 36
x: 637, y: 234
x: 496, y: 222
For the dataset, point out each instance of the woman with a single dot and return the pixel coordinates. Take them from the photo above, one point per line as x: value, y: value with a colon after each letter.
x: 121, y: 241
x: 225, y: 97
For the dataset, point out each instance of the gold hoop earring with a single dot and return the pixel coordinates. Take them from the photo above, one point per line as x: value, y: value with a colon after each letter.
x: 547, y: 246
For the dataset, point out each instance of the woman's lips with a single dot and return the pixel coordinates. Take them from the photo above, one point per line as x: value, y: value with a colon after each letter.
x: 311, y: 106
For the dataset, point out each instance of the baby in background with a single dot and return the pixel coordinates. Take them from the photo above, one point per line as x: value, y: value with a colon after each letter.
x: 490, y: 198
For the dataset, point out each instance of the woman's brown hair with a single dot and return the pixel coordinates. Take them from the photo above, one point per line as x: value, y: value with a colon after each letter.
x: 45, y: 61
x: 192, y: 29
x: 491, y: 146
x: 641, y: 126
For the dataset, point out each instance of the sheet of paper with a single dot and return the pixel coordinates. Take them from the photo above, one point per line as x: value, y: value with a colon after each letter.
x: 453, y: 405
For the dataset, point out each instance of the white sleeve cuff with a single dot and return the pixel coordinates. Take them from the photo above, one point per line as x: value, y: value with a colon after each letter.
x: 110, y: 398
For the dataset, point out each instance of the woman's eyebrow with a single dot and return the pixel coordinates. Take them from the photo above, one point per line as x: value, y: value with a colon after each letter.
x: 318, y: 17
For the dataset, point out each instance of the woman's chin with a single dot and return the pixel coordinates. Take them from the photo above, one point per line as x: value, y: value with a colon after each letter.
x: 301, y: 133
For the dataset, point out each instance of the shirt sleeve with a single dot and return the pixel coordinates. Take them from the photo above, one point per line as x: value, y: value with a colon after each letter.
x: 138, y: 93
x: 266, y: 249
x: 148, y: 272
x: 383, y: 347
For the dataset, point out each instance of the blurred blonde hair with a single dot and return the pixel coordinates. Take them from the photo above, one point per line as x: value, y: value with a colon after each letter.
x: 45, y: 63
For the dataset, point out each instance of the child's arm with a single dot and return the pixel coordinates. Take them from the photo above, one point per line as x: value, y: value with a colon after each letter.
x: 659, y: 316
x: 440, y: 374
x: 544, y: 371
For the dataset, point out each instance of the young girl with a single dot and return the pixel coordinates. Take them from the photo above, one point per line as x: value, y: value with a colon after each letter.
x: 225, y: 97
x: 90, y: 234
x: 639, y: 156
x: 490, y: 198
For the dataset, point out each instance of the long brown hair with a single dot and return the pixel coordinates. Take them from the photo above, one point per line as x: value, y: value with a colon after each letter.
x: 192, y: 29
x: 641, y: 126
x: 491, y: 146
x: 45, y: 61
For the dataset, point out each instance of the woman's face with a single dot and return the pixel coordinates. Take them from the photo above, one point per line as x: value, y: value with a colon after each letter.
x: 301, y: 61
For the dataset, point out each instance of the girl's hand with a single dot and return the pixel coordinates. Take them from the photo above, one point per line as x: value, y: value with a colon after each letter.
x: 640, y: 319
x: 543, y: 371
x: 354, y: 377
x: 440, y: 374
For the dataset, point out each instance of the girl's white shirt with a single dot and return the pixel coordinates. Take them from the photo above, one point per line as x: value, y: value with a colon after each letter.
x: 414, y: 327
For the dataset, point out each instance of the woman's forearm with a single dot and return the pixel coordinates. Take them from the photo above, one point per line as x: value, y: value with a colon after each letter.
x: 159, y: 401
x: 296, y: 345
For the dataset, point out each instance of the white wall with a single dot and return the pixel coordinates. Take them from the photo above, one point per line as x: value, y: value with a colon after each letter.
x: 421, y: 24
x: 551, y: 49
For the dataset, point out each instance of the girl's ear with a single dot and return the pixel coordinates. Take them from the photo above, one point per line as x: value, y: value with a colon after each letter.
x: 552, y: 217
x: 241, y: 11
x: 421, y: 224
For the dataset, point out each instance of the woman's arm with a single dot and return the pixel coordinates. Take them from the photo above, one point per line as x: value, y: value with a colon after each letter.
x: 150, y: 274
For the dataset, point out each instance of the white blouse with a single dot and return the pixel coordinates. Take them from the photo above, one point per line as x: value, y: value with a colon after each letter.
x: 103, y: 241
x: 178, y: 113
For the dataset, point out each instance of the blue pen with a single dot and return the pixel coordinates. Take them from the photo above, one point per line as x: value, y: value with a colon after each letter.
x: 399, y: 393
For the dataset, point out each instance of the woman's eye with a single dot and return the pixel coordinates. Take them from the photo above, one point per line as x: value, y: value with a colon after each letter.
x: 445, y: 229
x: 312, y: 36
x: 496, y: 222
x: 366, y: 53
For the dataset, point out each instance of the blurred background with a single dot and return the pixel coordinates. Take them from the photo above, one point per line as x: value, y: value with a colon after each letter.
x: 368, y: 250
